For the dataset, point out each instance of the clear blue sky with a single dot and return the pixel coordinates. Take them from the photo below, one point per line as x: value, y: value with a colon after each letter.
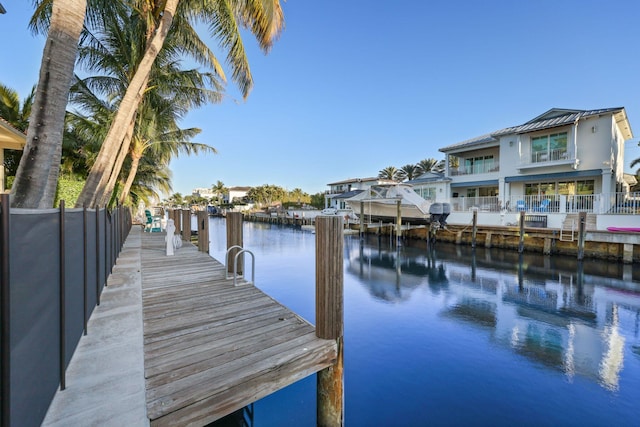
x: 355, y: 86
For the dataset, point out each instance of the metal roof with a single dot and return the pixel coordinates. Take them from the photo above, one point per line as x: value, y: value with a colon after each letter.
x: 555, y: 117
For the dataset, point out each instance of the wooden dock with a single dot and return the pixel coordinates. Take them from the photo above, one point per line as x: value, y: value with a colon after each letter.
x: 210, y: 347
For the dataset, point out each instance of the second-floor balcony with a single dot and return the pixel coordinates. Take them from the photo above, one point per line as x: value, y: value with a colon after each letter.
x: 546, y: 158
x: 476, y: 168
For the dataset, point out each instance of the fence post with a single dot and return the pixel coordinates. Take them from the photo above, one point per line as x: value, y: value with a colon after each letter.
x: 186, y: 225
x: 330, y: 317
x: 5, y: 308
x: 86, y: 268
x: 62, y: 343
x: 97, y: 255
x: 234, y: 237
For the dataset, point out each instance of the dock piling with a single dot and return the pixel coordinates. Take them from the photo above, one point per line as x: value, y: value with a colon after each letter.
x: 475, y: 228
x: 582, y: 222
x: 234, y: 238
x: 330, y: 317
x: 186, y: 225
x: 521, y: 224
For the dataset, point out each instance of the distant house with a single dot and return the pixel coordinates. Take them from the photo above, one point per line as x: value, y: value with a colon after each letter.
x: 10, y: 139
x: 432, y: 186
x: 207, y: 193
x: 235, y: 193
x: 561, y: 161
x: 341, y: 190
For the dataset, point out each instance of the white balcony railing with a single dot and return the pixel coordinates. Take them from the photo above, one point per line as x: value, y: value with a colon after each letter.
x: 614, y: 203
x: 546, y: 158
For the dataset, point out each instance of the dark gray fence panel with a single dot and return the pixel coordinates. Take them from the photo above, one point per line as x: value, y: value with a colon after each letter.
x: 74, y: 274
x: 91, y: 262
x: 35, y: 328
x: 102, y: 265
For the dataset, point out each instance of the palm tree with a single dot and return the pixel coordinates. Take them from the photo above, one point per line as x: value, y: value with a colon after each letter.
x: 390, y: 172
x: 427, y: 165
x: 17, y: 114
x: 219, y: 189
x: 37, y: 175
x: 263, y: 18
x: 408, y: 172
x: 171, y: 91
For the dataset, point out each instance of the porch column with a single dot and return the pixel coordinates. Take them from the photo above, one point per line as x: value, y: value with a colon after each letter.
x: 606, y: 182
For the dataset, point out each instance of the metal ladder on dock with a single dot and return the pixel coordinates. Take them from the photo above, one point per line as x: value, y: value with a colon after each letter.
x: 235, y: 274
x: 565, y: 236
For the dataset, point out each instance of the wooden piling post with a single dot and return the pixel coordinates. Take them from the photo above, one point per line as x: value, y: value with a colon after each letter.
x: 203, y: 231
x: 186, y: 225
x: 176, y: 220
x: 234, y: 238
x: 329, y: 316
x: 521, y: 242
x: 474, y: 230
x: 361, y: 219
x: 582, y: 222
x: 398, y: 222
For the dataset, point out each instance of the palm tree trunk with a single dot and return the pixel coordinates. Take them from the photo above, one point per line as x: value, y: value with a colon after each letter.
x: 122, y: 155
x: 95, y: 187
x: 37, y: 175
x: 135, y: 161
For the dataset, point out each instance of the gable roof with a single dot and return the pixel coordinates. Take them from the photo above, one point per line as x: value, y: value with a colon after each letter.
x: 555, y: 117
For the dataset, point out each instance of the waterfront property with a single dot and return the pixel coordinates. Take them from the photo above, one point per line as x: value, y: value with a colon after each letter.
x: 557, y: 164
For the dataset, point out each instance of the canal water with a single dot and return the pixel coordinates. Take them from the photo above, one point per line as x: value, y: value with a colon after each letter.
x: 456, y: 337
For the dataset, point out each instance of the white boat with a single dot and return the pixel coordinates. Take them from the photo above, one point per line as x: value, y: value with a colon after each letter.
x: 380, y: 203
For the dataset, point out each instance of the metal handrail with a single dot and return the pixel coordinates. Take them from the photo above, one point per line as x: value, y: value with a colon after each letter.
x: 235, y: 264
x: 226, y: 260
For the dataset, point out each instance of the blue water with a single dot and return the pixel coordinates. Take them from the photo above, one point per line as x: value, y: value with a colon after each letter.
x: 453, y: 337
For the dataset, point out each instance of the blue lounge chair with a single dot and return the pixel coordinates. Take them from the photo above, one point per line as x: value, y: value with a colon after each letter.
x: 544, y: 206
x: 521, y: 206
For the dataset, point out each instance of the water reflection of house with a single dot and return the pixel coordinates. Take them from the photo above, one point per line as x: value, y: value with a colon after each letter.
x: 560, y: 321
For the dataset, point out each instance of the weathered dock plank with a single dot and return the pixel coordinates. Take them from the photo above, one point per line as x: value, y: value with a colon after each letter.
x: 210, y: 347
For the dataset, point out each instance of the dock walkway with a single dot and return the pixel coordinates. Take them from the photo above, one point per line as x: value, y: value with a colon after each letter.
x: 210, y: 348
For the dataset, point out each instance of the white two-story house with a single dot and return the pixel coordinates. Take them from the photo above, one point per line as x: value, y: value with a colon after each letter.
x: 561, y: 161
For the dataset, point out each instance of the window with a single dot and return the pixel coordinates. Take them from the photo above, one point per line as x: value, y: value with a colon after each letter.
x: 428, y: 193
x: 549, y: 147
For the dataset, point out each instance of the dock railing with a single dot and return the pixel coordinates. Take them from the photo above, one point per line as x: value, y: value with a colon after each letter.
x: 55, y: 263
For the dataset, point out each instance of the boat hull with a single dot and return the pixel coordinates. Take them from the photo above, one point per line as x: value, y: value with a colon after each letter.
x: 375, y: 211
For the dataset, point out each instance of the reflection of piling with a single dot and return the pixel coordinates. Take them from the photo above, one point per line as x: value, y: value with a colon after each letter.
x: 475, y: 228
x: 582, y: 221
x: 521, y: 243
x: 329, y: 316
x: 234, y: 238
